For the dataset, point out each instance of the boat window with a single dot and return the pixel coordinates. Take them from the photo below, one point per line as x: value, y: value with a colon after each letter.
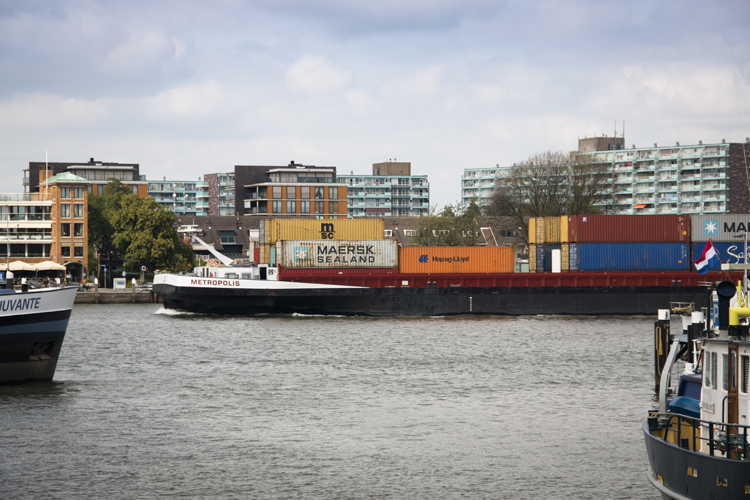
x: 707, y: 371
x: 733, y: 371
x: 744, y: 373
x: 714, y: 370
x: 725, y: 371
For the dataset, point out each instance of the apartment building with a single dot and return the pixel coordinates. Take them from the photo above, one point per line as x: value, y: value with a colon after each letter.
x: 51, y: 224
x: 479, y: 184
x: 690, y: 179
x: 221, y: 193
x: 391, y: 191
x: 294, y: 190
x: 190, y: 198
x: 98, y: 174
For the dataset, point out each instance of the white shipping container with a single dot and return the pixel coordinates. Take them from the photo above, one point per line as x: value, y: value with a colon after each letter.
x: 717, y: 227
x: 345, y: 253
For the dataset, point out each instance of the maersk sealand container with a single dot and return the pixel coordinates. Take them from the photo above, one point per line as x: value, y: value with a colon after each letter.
x: 630, y: 257
x: 729, y: 253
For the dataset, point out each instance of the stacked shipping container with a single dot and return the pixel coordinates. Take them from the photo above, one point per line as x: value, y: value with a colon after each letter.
x: 456, y: 260
x: 612, y: 243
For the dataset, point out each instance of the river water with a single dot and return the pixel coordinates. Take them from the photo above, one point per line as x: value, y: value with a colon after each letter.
x: 147, y: 404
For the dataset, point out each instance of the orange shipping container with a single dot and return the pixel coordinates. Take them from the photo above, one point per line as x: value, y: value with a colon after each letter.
x: 467, y: 260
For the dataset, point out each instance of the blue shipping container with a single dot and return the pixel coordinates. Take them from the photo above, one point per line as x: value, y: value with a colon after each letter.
x: 540, y: 258
x: 729, y: 253
x: 633, y: 257
x: 573, y: 250
x: 547, y: 255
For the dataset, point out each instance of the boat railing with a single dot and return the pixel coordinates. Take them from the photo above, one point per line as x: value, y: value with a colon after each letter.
x: 731, y: 440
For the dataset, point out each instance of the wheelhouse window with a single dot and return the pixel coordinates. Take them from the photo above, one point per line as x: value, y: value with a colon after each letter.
x: 714, y: 370
x: 725, y: 372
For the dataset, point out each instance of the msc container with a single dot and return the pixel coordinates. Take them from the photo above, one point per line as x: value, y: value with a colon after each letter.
x: 633, y: 257
x: 719, y: 227
x: 322, y: 229
x: 729, y: 253
x: 544, y: 230
x: 629, y: 229
x: 466, y: 260
x: 339, y: 254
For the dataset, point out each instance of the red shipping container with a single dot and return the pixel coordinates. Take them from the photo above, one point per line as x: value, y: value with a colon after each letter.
x: 256, y: 255
x: 342, y: 271
x: 629, y: 228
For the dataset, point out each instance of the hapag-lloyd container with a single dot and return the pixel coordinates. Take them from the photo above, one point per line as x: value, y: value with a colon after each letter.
x: 338, y: 254
x: 729, y: 228
x: 467, y: 260
x: 629, y: 229
x: 729, y: 253
x: 273, y: 230
x: 630, y: 257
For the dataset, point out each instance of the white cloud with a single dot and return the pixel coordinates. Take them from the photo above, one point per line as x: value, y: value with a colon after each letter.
x: 422, y: 84
x: 48, y: 110
x: 316, y: 74
x: 143, y: 52
x: 190, y: 101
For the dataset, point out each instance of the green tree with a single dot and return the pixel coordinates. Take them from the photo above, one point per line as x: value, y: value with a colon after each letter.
x: 145, y: 233
x: 446, y: 229
x: 102, y: 209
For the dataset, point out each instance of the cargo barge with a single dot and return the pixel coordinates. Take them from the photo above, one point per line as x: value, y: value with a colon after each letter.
x: 242, y: 291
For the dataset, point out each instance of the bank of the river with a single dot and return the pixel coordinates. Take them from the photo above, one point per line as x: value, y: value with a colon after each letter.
x: 108, y: 296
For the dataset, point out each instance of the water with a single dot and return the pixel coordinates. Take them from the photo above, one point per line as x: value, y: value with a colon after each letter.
x: 147, y: 404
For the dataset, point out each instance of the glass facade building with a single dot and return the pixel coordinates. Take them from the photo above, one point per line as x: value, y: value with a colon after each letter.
x: 181, y: 197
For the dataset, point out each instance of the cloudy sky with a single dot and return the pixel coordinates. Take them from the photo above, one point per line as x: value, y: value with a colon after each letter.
x: 192, y: 87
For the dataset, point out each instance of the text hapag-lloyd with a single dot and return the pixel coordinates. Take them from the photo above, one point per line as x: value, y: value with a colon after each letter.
x: 19, y: 304
x: 450, y: 259
x: 333, y: 254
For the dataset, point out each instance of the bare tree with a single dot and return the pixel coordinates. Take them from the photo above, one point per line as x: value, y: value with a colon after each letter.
x: 549, y: 184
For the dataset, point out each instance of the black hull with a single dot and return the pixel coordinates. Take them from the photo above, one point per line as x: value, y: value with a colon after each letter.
x: 429, y: 301
x: 30, y: 346
x: 671, y: 462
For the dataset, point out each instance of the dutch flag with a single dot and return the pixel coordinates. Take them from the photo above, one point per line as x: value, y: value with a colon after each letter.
x: 709, y: 259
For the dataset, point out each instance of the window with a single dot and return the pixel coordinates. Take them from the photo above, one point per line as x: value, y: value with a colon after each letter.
x: 227, y: 236
x: 134, y: 189
x: 65, y: 210
x: 304, y: 194
x: 291, y: 207
x: 78, y: 210
x: 733, y: 372
x: 320, y: 206
x: 291, y: 193
x: 78, y: 193
x: 744, y: 373
x: 91, y: 188
x: 725, y: 371
x: 410, y: 233
x: 277, y: 192
x: 65, y: 193
x: 276, y: 207
x: 333, y: 193
x: 333, y: 207
x: 65, y: 230
x: 318, y: 192
x: 388, y: 233
x: 66, y: 251
x: 78, y: 252
x: 304, y: 207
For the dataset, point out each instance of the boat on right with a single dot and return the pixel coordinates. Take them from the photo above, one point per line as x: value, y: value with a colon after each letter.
x: 697, y: 439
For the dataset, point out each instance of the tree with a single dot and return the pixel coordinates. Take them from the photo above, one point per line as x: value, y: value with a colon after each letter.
x: 446, y: 229
x: 102, y: 209
x: 549, y: 184
x: 145, y: 233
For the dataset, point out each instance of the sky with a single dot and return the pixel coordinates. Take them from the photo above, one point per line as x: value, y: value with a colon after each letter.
x: 190, y: 87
